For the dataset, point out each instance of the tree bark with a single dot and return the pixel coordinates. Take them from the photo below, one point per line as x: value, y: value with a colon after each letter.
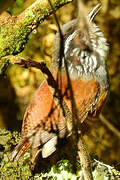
x: 14, y: 30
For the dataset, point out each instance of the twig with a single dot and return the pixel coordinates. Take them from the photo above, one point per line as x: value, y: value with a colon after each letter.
x: 78, y: 139
x: 85, y: 160
x: 109, y: 125
x: 51, y: 82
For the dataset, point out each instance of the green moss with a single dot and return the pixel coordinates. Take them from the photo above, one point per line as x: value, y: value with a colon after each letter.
x: 30, y: 14
x: 63, y: 170
x: 14, y: 32
x: 12, y: 170
x: 10, y: 44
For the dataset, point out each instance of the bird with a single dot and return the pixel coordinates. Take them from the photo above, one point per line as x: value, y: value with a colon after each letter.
x: 79, y: 56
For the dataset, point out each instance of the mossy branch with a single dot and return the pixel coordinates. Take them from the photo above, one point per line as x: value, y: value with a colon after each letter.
x: 14, y: 30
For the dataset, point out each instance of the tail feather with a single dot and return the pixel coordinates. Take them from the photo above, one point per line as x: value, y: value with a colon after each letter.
x: 20, y: 149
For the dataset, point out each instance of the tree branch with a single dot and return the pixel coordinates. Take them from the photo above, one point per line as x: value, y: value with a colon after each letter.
x: 85, y: 160
x: 110, y: 125
x: 14, y: 30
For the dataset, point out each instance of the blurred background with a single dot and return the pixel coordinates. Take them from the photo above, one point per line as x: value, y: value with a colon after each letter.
x: 18, y: 85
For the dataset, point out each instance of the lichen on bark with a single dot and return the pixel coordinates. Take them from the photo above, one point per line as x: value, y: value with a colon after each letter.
x: 14, y: 30
x: 62, y: 170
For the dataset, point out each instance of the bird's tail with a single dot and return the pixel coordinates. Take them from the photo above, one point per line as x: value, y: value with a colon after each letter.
x: 20, y: 149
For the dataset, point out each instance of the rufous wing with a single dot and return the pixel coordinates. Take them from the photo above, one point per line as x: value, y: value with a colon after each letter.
x: 43, y: 124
